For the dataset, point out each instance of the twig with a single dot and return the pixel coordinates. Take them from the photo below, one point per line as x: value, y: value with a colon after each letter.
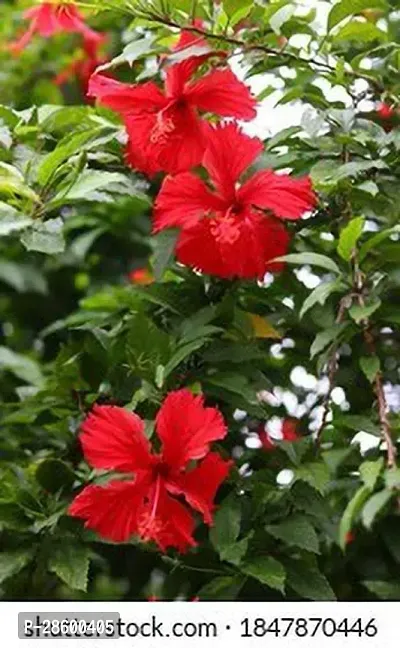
x: 332, y: 369
x: 248, y: 47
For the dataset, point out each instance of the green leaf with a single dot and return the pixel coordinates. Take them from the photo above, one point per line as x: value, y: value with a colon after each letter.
x: 137, y: 49
x: 181, y: 354
x: 349, y: 236
x: 297, y: 531
x: 360, y: 32
x: 311, y: 258
x: 45, y: 236
x: 280, y: 17
x: 54, y: 475
x: 164, y: 244
x: 93, y: 185
x: 387, y: 591
x: 267, y: 570
x: 305, y: 578
x: 376, y: 239
x: 11, y: 562
x: 69, y: 146
x: 351, y: 512
x: 21, y: 366
x: 11, y: 220
x: 70, y: 562
x: 13, y: 182
x: 374, y: 505
x: 370, y: 471
x: 323, y: 338
x: 347, y: 8
x: 147, y: 347
x: 360, y: 313
x: 370, y: 366
x: 320, y: 294
x: 225, y: 531
x: 223, y: 588
x: 316, y: 474
x: 232, y: 7
x: 392, y: 477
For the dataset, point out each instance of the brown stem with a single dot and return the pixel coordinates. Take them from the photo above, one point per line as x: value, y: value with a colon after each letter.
x: 384, y: 421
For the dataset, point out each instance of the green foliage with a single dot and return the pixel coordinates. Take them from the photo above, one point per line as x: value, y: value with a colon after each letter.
x: 75, y: 221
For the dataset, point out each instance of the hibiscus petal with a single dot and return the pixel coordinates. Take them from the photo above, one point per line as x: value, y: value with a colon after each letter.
x: 111, y: 510
x: 289, y: 430
x: 173, y: 525
x: 287, y: 197
x: 114, y: 439
x: 70, y: 19
x: 222, y: 93
x: 242, y: 247
x: 126, y: 98
x: 199, y: 486
x: 186, y: 428
x: 182, y: 201
x: 178, y: 74
x: 229, y: 153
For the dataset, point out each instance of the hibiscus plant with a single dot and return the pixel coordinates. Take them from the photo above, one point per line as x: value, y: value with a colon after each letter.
x: 199, y: 271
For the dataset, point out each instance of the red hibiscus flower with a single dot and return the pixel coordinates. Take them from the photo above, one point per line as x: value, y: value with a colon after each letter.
x: 142, y: 277
x: 147, y: 504
x: 289, y: 433
x: 385, y: 111
x: 49, y: 18
x: 227, y: 232
x: 165, y: 131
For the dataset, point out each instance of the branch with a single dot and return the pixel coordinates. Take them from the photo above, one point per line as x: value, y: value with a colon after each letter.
x: 255, y: 47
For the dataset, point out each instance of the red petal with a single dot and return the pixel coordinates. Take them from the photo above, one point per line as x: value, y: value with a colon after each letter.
x: 222, y: 93
x: 267, y: 443
x: 229, y: 153
x: 289, y: 430
x: 186, y: 428
x: 173, y: 140
x: 234, y: 246
x: 188, y: 38
x: 178, y: 74
x: 111, y: 510
x: 182, y: 201
x: 124, y: 98
x: 174, y: 525
x: 113, y: 439
x: 287, y: 197
x: 71, y: 20
x: 200, y: 485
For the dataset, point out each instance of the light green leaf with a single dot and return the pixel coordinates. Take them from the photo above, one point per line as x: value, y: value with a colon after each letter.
x: 351, y: 512
x: 297, y: 531
x: 392, y: 478
x: 11, y: 220
x: 67, y: 147
x: 370, y: 366
x: 359, y: 313
x: 71, y: 564
x: 347, y: 8
x: 323, y: 338
x: 164, y: 244
x: 11, y: 562
x: 21, y: 366
x: 320, y: 294
x: 361, y: 32
x: 316, y: 474
x: 137, y: 49
x: 280, y: 17
x: 374, y: 505
x: 267, y: 570
x: 370, y: 471
x: 310, y: 258
x: 93, y: 185
x: 376, y: 239
x: 349, y: 236
x: 45, y: 236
